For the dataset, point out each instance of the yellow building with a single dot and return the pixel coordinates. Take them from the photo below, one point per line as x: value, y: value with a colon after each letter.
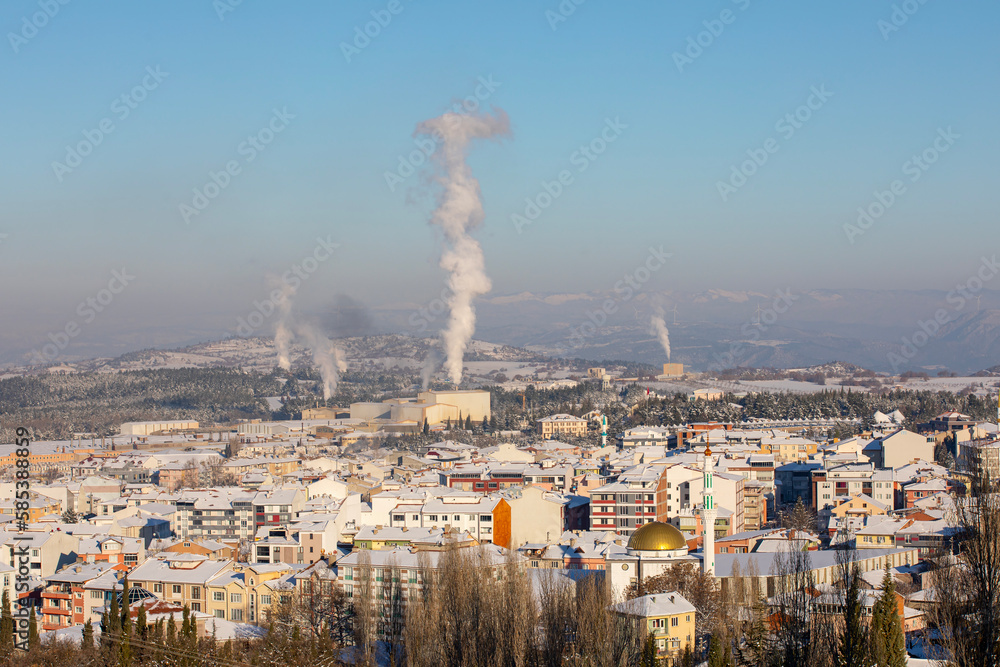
x: 860, y: 505
x: 673, y: 370
x: 667, y: 617
x: 561, y: 424
x: 470, y: 403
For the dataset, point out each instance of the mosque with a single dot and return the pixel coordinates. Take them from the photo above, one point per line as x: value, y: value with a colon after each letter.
x: 655, y: 546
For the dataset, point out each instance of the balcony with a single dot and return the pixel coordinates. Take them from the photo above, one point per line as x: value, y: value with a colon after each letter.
x: 56, y: 610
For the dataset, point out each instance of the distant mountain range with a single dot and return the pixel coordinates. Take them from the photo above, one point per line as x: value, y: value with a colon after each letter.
x: 718, y: 328
x: 709, y: 330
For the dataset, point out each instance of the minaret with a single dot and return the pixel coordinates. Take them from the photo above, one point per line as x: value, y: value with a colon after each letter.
x: 708, y: 513
x: 604, y: 431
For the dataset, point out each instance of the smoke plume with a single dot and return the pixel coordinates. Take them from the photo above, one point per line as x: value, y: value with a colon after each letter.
x: 659, y: 329
x: 283, y: 329
x: 459, y: 211
x: 327, y: 358
x: 431, y: 362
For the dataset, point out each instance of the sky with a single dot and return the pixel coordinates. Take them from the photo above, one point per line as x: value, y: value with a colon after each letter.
x: 648, y: 110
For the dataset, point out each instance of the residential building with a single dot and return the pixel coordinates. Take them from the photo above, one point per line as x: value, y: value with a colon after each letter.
x: 667, y: 617
x: 561, y: 425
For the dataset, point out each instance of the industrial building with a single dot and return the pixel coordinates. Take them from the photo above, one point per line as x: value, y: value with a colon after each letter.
x: 149, y: 428
x: 436, y: 407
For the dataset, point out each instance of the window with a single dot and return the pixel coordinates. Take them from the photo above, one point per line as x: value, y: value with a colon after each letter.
x: 236, y: 615
x: 95, y: 595
x: 265, y: 599
x: 177, y: 589
x: 196, y: 592
x: 195, y: 606
x: 398, y: 517
x: 157, y: 588
x: 674, y: 621
x: 432, y: 517
x: 457, y: 518
x: 416, y: 517
x: 236, y: 597
x: 220, y: 613
x: 218, y: 596
x: 79, y: 610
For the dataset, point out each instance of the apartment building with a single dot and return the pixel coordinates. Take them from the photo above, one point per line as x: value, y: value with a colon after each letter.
x: 47, y: 552
x: 278, y: 507
x: 831, y: 487
x: 215, y: 514
x: 123, y: 553
x: 66, y: 600
x: 179, y: 577
x: 486, y: 518
x: 639, y: 496
x: 561, y: 425
x: 666, y: 617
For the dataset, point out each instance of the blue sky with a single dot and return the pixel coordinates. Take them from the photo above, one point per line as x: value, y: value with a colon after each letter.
x: 324, y: 174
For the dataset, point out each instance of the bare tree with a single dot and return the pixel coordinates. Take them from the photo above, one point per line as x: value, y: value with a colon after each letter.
x: 967, y: 589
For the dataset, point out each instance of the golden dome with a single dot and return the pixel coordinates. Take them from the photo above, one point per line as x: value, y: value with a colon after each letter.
x: 657, y: 536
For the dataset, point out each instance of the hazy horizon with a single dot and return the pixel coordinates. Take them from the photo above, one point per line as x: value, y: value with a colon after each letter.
x: 829, y: 104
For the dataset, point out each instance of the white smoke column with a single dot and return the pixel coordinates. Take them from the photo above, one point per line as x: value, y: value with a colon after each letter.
x: 326, y: 356
x: 431, y: 363
x: 659, y: 329
x: 283, y: 329
x: 459, y: 211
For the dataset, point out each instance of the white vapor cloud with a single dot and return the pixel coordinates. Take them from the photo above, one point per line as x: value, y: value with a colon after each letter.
x: 459, y: 211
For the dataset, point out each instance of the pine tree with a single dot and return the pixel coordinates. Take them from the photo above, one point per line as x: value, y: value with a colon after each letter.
x: 141, y: 628
x: 468, y: 423
x: 719, y: 654
x: 33, y: 637
x: 648, y: 658
x: 125, y: 645
x: 87, y: 645
x: 126, y: 610
x: 853, y: 647
x: 69, y: 516
x: 114, y: 624
x: 888, y: 642
x: 171, y: 631
x: 427, y: 426
x: 6, y: 627
x: 755, y: 648
x: 485, y: 424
